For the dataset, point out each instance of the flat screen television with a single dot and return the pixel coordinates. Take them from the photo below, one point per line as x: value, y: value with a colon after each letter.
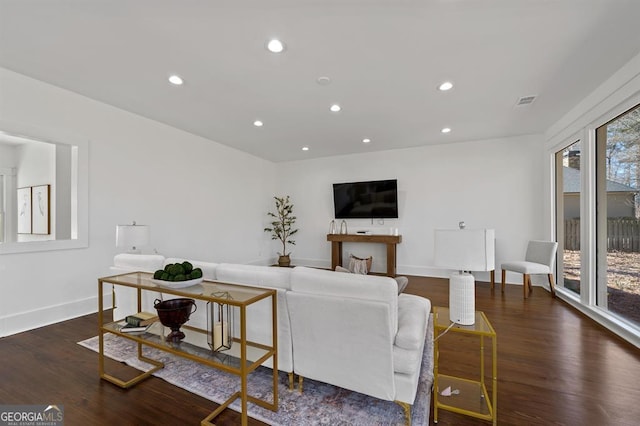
x: 366, y: 200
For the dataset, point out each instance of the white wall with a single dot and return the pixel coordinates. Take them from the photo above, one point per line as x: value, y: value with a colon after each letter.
x: 202, y: 200
x: 206, y: 201
x: 488, y: 184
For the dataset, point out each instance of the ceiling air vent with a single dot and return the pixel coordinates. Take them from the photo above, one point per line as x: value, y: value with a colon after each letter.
x: 526, y: 100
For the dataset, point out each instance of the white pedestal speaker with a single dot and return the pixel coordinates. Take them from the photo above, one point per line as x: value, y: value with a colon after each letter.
x: 462, y: 298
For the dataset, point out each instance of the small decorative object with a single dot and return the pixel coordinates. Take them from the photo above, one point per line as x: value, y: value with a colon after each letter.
x: 174, y: 313
x: 461, y: 224
x: 220, y: 319
x: 448, y: 392
x: 343, y: 227
x: 41, y: 222
x: 282, y: 227
x: 332, y: 227
x: 359, y: 265
x: 24, y: 210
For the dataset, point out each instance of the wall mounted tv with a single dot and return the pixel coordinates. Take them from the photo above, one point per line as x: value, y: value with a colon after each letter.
x: 366, y: 200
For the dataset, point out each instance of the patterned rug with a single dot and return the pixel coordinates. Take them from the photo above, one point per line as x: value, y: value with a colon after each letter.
x: 319, y: 404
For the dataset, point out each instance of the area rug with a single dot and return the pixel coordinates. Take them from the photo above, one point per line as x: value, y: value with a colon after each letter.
x: 319, y: 404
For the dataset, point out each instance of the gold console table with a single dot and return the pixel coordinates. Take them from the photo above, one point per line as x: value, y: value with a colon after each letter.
x: 243, y: 358
x: 389, y: 240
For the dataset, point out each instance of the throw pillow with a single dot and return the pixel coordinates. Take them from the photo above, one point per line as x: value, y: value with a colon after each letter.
x: 358, y: 265
x: 401, y: 281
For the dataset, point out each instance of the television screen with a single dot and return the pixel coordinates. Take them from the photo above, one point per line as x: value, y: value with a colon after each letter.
x: 364, y: 200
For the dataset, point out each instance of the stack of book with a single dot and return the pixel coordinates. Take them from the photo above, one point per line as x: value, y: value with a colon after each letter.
x: 138, y: 322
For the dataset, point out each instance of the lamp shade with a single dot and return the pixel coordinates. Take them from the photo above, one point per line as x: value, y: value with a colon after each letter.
x: 465, y: 249
x: 132, y: 236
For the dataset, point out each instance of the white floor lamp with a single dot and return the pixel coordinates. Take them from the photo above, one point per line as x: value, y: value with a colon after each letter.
x: 464, y: 250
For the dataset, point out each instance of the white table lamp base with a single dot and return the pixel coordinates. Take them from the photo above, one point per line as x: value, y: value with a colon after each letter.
x: 462, y: 298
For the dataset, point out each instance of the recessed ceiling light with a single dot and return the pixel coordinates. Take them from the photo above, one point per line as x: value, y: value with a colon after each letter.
x: 447, y: 85
x: 335, y: 108
x: 323, y: 81
x: 275, y: 46
x: 305, y: 148
x: 445, y: 130
x: 176, y: 79
x: 366, y: 140
x: 258, y: 123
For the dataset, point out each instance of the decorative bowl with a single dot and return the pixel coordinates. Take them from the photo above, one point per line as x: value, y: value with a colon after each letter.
x: 177, y: 284
x: 174, y: 313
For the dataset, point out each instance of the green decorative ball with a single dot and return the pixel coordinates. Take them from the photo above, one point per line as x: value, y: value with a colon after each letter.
x: 188, y: 267
x: 196, y: 273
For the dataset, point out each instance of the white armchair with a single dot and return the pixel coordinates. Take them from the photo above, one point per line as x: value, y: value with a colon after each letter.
x: 539, y: 259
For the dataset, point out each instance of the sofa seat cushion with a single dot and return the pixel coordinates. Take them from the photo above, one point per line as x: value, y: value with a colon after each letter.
x: 411, y: 330
x: 405, y: 361
x: 409, y: 342
x: 524, y: 267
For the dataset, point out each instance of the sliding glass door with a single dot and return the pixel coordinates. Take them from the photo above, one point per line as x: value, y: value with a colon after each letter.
x: 617, y: 180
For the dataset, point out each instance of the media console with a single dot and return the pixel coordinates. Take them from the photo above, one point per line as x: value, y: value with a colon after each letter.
x: 389, y: 240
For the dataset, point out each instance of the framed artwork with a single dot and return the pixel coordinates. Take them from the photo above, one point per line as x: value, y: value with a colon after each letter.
x: 40, y: 209
x: 24, y: 210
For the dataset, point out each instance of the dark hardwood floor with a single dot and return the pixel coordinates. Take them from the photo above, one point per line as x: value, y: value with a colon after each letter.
x: 555, y: 367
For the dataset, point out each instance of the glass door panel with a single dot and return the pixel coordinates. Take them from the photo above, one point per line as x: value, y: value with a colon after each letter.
x: 618, y: 215
x: 568, y: 193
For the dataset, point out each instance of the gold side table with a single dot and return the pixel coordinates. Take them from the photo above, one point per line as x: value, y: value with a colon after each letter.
x: 472, y: 399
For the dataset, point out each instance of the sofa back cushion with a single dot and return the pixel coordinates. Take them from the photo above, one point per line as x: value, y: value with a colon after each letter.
x: 255, y: 275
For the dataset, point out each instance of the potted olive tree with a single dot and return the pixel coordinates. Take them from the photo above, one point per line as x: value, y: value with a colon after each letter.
x: 282, y: 227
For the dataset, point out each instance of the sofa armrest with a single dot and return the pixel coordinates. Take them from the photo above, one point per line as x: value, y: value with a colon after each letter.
x: 413, y: 316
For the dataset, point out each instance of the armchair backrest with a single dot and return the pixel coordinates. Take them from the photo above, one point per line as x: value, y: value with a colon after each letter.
x: 543, y: 252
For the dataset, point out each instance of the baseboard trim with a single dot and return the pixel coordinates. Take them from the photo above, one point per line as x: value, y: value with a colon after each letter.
x: 24, y: 321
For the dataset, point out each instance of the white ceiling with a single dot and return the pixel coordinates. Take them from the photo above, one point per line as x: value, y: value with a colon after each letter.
x: 385, y: 59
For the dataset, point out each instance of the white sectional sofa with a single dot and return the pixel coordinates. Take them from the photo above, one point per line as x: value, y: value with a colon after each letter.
x: 356, y: 332
x: 349, y: 330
